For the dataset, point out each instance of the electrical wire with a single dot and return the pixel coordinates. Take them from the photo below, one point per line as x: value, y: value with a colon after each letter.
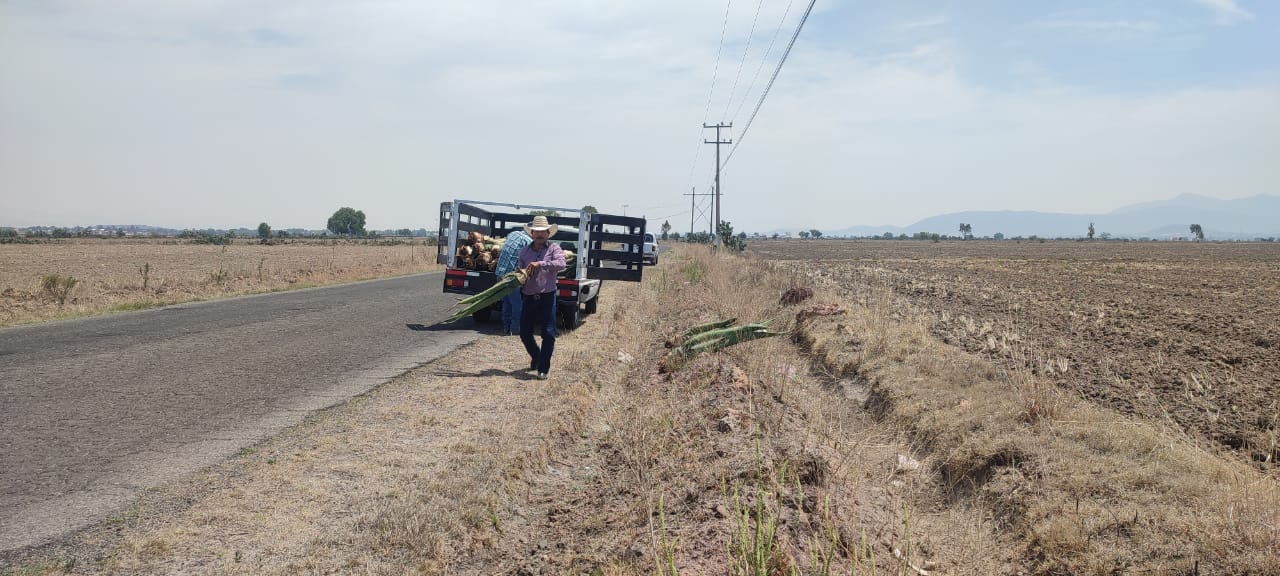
x: 745, y: 50
x: 769, y: 86
x: 716, y: 73
x: 763, y: 59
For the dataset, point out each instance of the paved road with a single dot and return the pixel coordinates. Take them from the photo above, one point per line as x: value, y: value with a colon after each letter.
x: 93, y: 411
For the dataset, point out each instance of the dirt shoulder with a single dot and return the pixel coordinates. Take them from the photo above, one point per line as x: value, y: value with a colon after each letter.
x: 365, y: 483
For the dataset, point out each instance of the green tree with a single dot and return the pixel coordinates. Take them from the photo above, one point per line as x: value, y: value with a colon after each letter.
x: 347, y: 221
x: 1198, y: 231
x: 264, y: 232
x: 815, y: 233
x: 727, y: 239
x: 966, y: 230
x: 666, y: 229
x: 804, y: 233
x: 589, y: 209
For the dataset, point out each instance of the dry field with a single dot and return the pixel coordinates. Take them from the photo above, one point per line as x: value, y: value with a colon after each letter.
x: 861, y: 443
x: 1187, y: 333
x: 116, y: 275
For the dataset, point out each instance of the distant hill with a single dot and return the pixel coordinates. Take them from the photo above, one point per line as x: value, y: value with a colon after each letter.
x: 1239, y: 219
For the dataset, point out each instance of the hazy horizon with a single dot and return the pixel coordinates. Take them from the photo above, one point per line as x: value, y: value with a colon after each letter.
x: 216, y: 114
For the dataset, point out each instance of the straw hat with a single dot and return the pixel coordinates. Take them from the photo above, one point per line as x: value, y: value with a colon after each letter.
x: 540, y: 223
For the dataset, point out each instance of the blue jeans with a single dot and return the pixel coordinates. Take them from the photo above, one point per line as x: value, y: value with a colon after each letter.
x: 539, y: 311
x: 511, y: 306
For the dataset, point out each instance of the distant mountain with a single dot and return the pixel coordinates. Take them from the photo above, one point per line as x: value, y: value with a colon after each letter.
x: 1239, y: 219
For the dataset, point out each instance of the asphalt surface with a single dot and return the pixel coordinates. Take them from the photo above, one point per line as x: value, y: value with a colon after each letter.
x: 93, y: 411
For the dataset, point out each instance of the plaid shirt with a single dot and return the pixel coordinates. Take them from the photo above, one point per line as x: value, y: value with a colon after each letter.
x: 509, y: 257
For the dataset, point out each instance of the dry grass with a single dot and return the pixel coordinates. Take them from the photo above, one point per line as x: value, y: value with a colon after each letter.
x: 864, y: 443
x: 1174, y: 332
x: 116, y: 275
x: 1074, y: 488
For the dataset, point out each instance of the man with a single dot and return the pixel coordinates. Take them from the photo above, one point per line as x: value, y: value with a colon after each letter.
x: 543, y: 260
x: 508, y: 258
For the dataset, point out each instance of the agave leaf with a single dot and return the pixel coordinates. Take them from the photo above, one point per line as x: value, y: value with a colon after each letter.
x: 709, y: 326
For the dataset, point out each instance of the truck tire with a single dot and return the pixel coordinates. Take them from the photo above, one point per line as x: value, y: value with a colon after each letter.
x: 593, y: 303
x: 482, y: 316
x: 570, y: 317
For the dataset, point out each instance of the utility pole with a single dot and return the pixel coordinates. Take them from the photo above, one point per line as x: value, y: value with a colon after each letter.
x: 693, y: 191
x: 692, y: 209
x: 716, y: 226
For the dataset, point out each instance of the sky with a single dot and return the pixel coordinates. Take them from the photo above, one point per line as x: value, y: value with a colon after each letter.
x: 224, y: 114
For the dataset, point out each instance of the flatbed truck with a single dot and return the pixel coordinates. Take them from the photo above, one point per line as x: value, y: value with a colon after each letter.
x: 606, y: 246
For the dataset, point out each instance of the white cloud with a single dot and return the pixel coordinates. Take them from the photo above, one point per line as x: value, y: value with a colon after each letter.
x: 1113, y: 27
x: 891, y: 144
x: 1227, y: 12
x: 929, y: 22
x: 225, y: 114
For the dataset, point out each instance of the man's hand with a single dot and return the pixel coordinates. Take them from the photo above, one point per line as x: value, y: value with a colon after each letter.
x: 533, y: 266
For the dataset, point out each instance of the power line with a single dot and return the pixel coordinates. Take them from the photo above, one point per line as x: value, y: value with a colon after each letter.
x: 772, y: 79
x: 763, y: 59
x: 745, y: 50
x: 694, y: 209
x: 723, y: 26
x: 706, y: 113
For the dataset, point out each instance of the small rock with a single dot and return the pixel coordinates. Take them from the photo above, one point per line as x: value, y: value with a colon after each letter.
x: 732, y: 420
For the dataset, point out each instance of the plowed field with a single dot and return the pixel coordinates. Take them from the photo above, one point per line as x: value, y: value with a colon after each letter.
x: 1180, y: 332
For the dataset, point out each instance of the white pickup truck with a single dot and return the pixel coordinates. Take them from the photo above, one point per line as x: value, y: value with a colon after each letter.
x: 650, y: 248
x: 585, y: 233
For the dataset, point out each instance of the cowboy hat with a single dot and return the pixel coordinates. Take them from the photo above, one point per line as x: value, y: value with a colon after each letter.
x: 540, y: 223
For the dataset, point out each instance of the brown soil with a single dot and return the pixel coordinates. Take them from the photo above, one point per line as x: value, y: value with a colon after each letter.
x: 1187, y: 333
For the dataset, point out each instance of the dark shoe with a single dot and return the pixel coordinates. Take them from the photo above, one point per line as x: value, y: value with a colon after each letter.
x: 542, y: 375
x: 506, y: 332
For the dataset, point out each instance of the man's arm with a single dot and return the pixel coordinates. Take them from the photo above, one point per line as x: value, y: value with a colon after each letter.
x: 555, y: 258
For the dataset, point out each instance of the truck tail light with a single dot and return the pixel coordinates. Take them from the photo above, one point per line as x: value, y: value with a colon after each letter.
x: 568, y: 288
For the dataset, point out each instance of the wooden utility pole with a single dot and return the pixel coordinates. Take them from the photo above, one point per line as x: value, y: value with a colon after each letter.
x: 692, y: 208
x: 716, y: 226
x: 693, y: 191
